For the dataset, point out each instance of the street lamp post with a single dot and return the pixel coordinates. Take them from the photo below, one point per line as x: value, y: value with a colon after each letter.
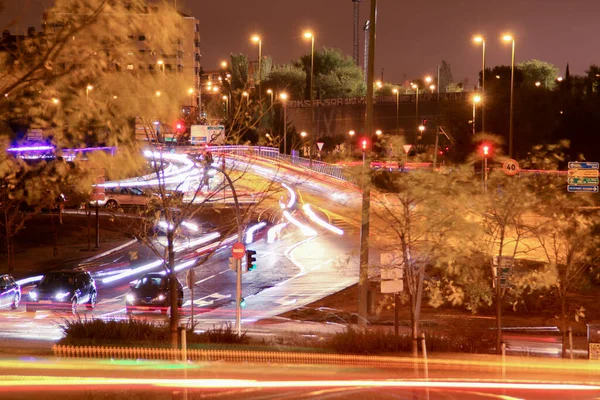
x: 257, y: 39
x: 416, y: 87
x: 161, y: 64
x: 510, y: 38
x: 270, y: 92
x: 397, y: 93
x: 311, y: 36
x: 481, y: 39
x: 284, y: 97
x: 476, y: 100
x: 226, y: 100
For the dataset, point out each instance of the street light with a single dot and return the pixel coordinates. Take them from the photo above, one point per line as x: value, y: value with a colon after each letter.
x: 432, y: 88
x: 161, y: 64
x: 476, y: 100
x: 397, y: 93
x: 247, y: 96
x: 284, y: 98
x: 428, y: 79
x: 191, y: 92
x: 378, y: 132
x: 416, y: 87
x: 223, y: 64
x: 510, y: 38
x: 481, y: 39
x: 55, y: 100
x: 226, y: 100
x: 157, y: 93
x: 538, y: 84
x: 303, y: 134
x: 257, y: 39
x: 351, y: 133
x: 311, y: 36
x: 87, y: 93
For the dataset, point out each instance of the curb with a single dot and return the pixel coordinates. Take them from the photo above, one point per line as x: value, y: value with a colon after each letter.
x: 109, y: 252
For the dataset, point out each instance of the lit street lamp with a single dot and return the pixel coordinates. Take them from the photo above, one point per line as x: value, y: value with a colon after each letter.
x: 378, y: 132
x: 223, y: 64
x: 161, y: 64
x: 284, y: 97
x: 257, y: 39
x: 397, y: 93
x: 87, y: 93
x: 476, y: 100
x: 510, y: 38
x: 191, y: 92
x: 481, y: 39
x: 247, y: 96
x: 226, y: 100
x: 311, y: 36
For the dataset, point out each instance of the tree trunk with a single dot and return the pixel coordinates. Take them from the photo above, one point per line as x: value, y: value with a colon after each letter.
x: 414, y: 328
x: 565, y: 328
x: 174, y: 320
x: 417, y: 313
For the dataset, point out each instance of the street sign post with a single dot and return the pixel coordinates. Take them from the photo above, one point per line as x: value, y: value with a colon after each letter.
x: 510, y: 167
x: 583, y: 181
x: 582, y: 189
x: 190, y: 280
x: 238, y: 251
x: 583, y: 165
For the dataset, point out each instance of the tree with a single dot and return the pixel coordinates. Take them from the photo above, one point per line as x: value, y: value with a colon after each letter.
x: 421, y: 215
x: 289, y: 78
x: 535, y: 71
x: 446, y: 77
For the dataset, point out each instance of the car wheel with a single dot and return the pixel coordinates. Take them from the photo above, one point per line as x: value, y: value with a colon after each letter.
x: 74, y: 305
x: 111, y: 204
x: 92, y: 303
x: 15, y: 303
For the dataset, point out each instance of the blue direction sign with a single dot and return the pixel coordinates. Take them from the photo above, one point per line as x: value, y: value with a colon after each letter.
x: 583, y: 181
x: 582, y: 188
x: 583, y: 165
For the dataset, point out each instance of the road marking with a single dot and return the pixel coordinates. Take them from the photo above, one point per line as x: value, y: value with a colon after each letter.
x: 210, y: 277
x: 122, y: 310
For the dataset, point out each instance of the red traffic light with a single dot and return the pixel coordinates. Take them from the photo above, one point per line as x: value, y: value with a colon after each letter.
x: 486, y: 150
x: 364, y: 144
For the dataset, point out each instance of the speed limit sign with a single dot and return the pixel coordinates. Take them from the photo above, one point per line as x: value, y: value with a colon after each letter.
x: 510, y: 167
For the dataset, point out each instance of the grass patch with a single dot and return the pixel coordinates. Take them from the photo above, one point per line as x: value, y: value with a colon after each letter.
x: 135, y: 332
x: 355, y: 341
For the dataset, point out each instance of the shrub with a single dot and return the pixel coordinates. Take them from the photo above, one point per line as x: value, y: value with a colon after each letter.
x: 127, y: 332
x: 357, y: 341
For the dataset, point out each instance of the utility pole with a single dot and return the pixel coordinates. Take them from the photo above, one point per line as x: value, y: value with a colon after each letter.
x: 366, y: 55
x: 363, y: 275
x: 355, y: 20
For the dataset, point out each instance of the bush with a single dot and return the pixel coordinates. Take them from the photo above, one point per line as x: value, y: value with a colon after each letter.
x: 127, y: 332
x: 355, y: 341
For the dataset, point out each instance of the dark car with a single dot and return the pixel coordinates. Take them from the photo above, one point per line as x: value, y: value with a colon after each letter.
x: 151, y: 293
x: 63, y: 290
x: 10, y: 292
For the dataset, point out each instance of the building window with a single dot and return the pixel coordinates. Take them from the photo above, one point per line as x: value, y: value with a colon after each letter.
x: 141, y: 38
x: 150, y: 67
x: 142, y: 51
x: 129, y: 66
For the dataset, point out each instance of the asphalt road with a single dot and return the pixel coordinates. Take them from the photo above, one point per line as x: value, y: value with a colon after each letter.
x: 293, y: 271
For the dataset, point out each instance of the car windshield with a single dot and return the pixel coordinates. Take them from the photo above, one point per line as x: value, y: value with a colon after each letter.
x: 57, y: 279
x: 151, y: 282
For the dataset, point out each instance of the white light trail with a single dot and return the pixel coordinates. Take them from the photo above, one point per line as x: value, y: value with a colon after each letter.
x: 32, y: 279
x: 133, y: 271
x: 308, y: 231
x: 274, y: 232
x: 292, y: 201
x: 313, y: 217
x: 251, y: 230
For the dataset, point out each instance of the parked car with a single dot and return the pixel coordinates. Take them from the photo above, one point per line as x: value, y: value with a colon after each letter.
x: 126, y: 197
x: 10, y: 292
x: 151, y: 293
x: 65, y: 289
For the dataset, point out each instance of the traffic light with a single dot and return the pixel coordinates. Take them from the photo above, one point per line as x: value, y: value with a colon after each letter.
x: 179, y: 126
x: 243, y: 302
x: 486, y: 149
x: 424, y: 122
x: 250, y: 260
x: 364, y: 144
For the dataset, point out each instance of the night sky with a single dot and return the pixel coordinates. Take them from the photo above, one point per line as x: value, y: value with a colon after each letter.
x: 412, y: 37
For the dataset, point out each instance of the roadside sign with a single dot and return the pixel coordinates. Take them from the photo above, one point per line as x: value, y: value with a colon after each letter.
x: 511, y: 167
x: 190, y: 278
x: 583, y: 165
x: 238, y: 251
x: 582, y: 188
x: 394, y: 286
x: 320, y: 145
x: 583, y: 181
x: 407, y: 148
x: 583, y: 173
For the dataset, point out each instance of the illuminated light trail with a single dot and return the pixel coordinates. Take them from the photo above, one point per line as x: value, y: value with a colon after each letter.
x: 308, y: 231
x: 62, y: 383
x: 202, y: 240
x: 275, y: 231
x: 313, y: 217
x: 250, y: 231
x: 292, y: 201
x: 32, y: 279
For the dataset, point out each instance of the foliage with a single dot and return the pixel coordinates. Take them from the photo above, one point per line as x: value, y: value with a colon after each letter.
x: 538, y: 71
x: 290, y: 78
x: 127, y: 332
x: 446, y: 77
x: 355, y: 341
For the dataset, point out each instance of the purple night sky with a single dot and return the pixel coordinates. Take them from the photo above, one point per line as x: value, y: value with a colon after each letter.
x: 412, y: 36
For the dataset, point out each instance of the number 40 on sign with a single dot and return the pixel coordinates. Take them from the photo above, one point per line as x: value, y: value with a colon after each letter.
x: 510, y: 167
